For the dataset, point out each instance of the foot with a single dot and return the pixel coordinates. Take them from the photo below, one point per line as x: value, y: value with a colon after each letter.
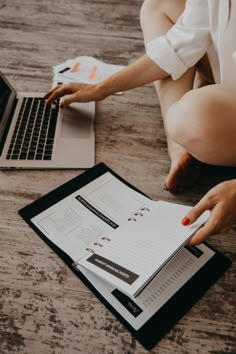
x: 184, y: 172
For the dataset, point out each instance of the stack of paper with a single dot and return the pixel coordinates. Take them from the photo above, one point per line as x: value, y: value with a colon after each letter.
x: 84, y: 69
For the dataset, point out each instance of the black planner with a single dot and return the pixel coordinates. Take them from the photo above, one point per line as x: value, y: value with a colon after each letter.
x: 162, y: 320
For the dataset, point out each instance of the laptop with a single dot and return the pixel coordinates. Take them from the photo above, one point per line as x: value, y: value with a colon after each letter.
x: 33, y: 135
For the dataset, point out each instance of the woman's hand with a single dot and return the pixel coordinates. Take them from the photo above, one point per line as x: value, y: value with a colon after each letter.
x: 76, y: 93
x: 143, y: 71
x: 221, y: 201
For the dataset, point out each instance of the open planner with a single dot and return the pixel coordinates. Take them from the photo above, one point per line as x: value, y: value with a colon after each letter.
x: 132, y: 254
x: 128, y: 249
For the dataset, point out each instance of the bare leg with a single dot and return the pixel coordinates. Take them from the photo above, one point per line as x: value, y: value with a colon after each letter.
x: 204, y: 122
x: 157, y: 17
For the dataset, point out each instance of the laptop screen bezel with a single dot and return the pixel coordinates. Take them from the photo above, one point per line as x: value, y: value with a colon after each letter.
x: 8, y: 110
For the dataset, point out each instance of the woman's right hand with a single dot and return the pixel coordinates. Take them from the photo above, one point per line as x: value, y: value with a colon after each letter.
x: 221, y: 201
x: 76, y: 93
x: 141, y: 72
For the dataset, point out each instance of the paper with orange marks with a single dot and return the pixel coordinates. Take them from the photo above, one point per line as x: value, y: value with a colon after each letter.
x: 84, y: 69
x: 75, y: 68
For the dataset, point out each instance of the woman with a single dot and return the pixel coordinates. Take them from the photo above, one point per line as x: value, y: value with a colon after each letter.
x: 188, y: 45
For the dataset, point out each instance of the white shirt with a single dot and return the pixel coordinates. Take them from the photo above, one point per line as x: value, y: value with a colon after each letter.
x: 206, y: 26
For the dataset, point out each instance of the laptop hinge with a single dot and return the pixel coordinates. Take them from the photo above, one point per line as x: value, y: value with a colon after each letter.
x: 7, y: 127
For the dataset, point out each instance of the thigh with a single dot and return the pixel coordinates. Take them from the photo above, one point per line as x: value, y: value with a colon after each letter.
x: 220, y: 115
x: 218, y: 124
x: 225, y: 122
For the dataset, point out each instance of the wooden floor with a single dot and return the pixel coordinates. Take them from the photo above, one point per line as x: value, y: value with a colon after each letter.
x: 44, y: 308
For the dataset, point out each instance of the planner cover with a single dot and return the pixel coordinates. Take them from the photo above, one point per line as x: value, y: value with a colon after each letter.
x: 172, y: 291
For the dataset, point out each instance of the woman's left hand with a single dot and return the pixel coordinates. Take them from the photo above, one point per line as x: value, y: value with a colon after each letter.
x: 221, y: 201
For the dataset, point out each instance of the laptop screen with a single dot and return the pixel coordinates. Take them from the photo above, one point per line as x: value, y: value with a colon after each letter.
x: 5, y: 92
x: 7, y: 98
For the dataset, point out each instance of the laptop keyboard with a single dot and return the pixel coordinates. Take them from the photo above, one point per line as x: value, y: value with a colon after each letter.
x: 34, y: 132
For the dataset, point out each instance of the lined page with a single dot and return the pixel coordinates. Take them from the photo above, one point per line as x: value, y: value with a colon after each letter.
x: 138, y: 249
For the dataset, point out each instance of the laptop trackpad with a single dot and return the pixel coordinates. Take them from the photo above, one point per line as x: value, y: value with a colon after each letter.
x: 75, y: 123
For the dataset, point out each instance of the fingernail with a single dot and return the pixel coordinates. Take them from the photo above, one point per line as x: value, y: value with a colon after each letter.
x: 185, y: 221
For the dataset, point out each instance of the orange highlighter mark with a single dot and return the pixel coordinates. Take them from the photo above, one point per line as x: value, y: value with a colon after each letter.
x: 93, y: 73
x: 75, y: 68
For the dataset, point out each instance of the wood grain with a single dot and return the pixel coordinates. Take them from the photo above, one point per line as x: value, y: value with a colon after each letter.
x: 44, y: 308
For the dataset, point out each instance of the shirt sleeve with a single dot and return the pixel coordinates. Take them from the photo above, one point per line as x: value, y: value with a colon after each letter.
x: 185, y: 43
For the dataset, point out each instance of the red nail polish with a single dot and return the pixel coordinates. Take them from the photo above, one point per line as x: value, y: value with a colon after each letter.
x: 185, y: 221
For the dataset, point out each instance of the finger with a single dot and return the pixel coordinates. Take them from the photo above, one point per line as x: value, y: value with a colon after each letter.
x: 48, y: 94
x: 211, y: 227
x: 60, y: 91
x: 204, y: 204
x: 70, y: 99
x: 202, y: 234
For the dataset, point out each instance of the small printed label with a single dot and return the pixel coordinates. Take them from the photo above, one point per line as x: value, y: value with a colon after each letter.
x: 113, y: 268
x: 96, y: 212
x: 129, y: 304
x: 194, y: 250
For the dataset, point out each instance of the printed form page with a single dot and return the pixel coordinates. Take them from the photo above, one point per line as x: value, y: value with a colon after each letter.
x: 91, y: 212
x: 137, y: 311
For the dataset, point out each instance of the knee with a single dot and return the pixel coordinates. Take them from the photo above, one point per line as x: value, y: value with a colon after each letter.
x: 148, y: 8
x: 153, y: 9
x: 190, y: 121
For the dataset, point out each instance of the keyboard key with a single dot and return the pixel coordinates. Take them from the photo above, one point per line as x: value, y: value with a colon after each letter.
x: 47, y: 157
x: 39, y: 156
x: 16, y: 151
x: 30, y: 156
x: 23, y: 156
x: 49, y: 141
x: 48, y: 152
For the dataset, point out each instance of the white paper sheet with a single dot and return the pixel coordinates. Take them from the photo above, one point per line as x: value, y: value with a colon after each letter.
x: 84, y: 69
